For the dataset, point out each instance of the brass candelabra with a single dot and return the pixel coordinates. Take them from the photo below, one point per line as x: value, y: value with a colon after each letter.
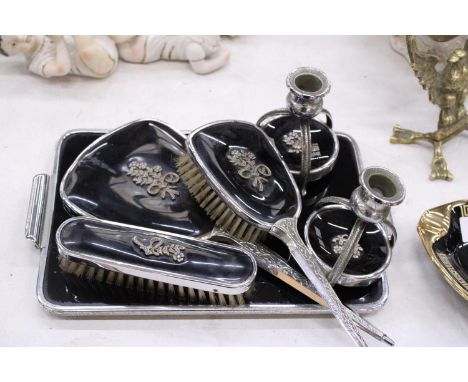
x: 447, y: 85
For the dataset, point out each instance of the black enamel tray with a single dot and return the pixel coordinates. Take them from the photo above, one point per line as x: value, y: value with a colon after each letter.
x: 269, y: 295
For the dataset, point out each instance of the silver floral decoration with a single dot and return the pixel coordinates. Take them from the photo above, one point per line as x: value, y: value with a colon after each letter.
x: 154, y: 179
x: 294, y: 140
x: 157, y: 247
x: 338, y: 243
x: 245, y: 162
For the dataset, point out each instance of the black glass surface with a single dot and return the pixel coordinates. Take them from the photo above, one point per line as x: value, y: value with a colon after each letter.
x: 341, y: 181
x: 331, y: 223
x: 101, y: 186
x: 213, y: 144
x: 323, y: 148
x: 320, y: 135
x: 452, y: 244
x: 64, y: 289
x: 204, y: 261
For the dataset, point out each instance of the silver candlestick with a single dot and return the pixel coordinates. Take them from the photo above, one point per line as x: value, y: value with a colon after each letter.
x: 379, y: 190
x: 307, y: 87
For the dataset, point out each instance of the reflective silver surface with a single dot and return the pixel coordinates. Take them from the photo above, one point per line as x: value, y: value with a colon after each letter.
x: 37, y: 204
x: 205, y: 145
x: 379, y: 190
x: 83, y: 309
x: 298, y: 132
x: 266, y: 123
x: 275, y: 265
x: 129, y: 176
x: 206, y: 265
x: 346, y: 279
x: 307, y: 87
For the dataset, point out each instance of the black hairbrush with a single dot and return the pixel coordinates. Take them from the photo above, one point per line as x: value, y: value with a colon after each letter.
x: 238, y: 176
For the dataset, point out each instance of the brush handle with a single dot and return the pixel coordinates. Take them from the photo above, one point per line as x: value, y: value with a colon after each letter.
x: 272, y: 263
x: 286, y: 230
x: 275, y: 265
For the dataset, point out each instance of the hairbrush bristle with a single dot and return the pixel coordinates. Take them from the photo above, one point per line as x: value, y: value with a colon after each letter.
x: 116, y: 283
x: 208, y: 199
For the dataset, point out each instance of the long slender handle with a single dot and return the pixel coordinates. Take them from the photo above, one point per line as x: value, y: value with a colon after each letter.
x: 286, y: 230
x: 273, y: 263
x: 347, y: 252
x: 303, y: 285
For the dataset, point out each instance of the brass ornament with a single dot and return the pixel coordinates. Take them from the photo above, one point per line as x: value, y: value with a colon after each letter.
x: 433, y: 225
x: 447, y: 89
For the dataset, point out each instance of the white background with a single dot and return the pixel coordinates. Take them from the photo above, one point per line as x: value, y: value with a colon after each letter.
x: 372, y: 89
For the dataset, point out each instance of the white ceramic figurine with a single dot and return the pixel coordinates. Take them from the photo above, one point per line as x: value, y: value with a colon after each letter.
x: 57, y: 56
x: 204, y: 53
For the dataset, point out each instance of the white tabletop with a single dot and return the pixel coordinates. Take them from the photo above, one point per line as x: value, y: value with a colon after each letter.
x: 372, y: 89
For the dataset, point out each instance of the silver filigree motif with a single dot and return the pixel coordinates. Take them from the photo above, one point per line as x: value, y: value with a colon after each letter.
x: 245, y: 162
x: 154, y: 179
x: 273, y: 263
x: 157, y: 247
x: 286, y: 230
x: 294, y: 140
x: 338, y: 243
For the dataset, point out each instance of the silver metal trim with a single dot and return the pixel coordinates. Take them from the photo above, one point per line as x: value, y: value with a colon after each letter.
x: 247, y: 167
x: 37, y: 205
x: 301, y: 100
x: 151, y: 273
x: 286, y: 230
x: 98, y: 310
x: 387, y: 223
x: 64, y: 196
x: 347, y: 279
x: 226, y: 197
x: 318, y: 172
x: 310, y: 71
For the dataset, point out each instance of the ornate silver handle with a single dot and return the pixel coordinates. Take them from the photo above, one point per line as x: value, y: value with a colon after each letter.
x: 272, y: 263
x: 286, y: 230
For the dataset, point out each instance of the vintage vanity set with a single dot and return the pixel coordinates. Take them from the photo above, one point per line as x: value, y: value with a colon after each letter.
x: 234, y: 218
